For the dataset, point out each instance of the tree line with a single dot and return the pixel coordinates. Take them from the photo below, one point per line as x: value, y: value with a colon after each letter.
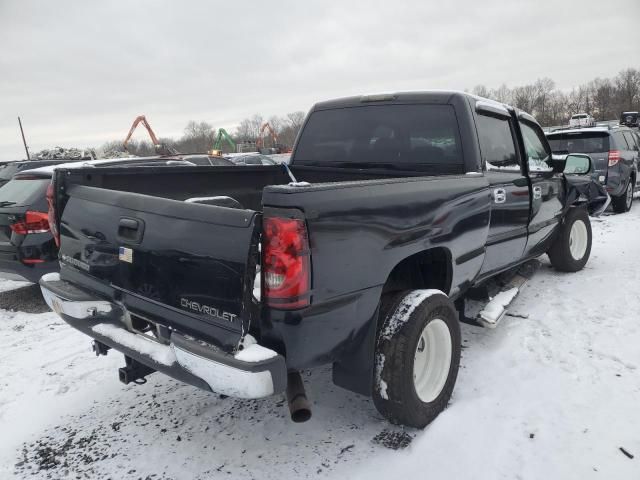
x: 200, y: 137
x: 603, y: 98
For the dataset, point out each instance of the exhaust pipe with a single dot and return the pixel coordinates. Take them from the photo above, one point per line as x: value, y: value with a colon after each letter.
x: 299, y: 406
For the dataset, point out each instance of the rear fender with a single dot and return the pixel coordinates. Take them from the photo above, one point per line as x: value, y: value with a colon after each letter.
x: 355, y: 368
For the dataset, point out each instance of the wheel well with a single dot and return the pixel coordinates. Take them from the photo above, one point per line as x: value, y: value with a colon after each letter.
x: 427, y: 269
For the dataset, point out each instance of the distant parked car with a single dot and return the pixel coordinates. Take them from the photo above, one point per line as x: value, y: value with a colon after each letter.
x: 9, y: 169
x: 582, y: 120
x: 27, y: 248
x: 256, y: 159
x: 614, y: 151
x: 630, y: 119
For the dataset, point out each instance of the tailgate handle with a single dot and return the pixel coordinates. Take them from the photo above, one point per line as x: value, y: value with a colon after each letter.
x: 130, y: 230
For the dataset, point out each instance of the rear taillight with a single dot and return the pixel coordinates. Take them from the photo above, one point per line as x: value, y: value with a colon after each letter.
x: 34, y: 222
x: 286, y: 265
x: 614, y: 157
x: 51, y: 213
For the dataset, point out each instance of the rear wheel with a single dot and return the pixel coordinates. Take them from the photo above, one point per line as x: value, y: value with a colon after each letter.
x: 417, y: 357
x: 622, y: 203
x: 571, y: 248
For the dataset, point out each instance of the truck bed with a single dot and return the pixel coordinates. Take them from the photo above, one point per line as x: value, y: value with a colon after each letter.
x: 244, y: 184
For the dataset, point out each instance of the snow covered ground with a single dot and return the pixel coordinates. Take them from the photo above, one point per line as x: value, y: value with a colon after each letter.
x: 552, y: 393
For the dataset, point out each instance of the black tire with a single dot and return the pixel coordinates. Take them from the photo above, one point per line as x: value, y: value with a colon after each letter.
x: 395, y: 394
x: 560, y: 252
x: 622, y: 203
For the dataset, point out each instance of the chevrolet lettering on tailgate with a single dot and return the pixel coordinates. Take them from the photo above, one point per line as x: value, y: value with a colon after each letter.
x: 207, y: 310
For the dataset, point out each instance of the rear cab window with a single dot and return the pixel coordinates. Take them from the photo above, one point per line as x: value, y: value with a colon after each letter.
x: 409, y: 137
x: 23, y: 191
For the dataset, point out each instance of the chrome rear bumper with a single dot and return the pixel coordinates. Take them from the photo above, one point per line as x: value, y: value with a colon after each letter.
x: 255, y: 372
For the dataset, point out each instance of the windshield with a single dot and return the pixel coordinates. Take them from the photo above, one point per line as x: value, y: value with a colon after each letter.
x: 581, y: 142
x: 402, y: 137
x: 23, y: 191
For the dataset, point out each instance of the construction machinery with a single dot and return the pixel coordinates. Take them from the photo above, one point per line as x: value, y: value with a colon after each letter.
x: 260, y: 140
x: 222, y: 137
x: 277, y: 147
x: 160, y: 148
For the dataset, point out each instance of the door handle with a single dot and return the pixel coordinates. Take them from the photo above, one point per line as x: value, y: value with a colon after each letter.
x: 130, y: 230
x: 499, y: 195
x: 129, y: 223
x: 537, y: 193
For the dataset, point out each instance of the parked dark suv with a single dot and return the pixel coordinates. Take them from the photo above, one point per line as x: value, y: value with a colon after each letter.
x: 630, y: 119
x: 614, y: 151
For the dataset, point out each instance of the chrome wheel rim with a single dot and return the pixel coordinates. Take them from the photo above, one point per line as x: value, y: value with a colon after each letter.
x: 578, y: 239
x: 432, y: 360
x: 629, y: 195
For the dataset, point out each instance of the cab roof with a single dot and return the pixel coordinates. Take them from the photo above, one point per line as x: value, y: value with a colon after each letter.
x: 426, y: 96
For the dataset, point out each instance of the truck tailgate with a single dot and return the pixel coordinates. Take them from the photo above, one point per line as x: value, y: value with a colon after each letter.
x: 187, y: 266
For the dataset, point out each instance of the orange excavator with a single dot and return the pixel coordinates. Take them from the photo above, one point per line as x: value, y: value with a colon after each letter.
x: 277, y: 148
x: 160, y: 148
x: 272, y: 134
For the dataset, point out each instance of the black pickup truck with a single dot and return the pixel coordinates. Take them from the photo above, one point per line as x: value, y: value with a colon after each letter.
x: 392, y: 208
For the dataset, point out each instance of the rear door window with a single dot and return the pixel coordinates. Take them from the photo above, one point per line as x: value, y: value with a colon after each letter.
x: 579, y: 142
x: 620, y: 141
x: 496, y: 143
x: 23, y: 191
x: 402, y: 137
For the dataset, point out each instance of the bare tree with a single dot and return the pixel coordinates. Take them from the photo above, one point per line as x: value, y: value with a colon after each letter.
x: 481, y: 91
x: 198, y: 137
x: 501, y: 94
x: 603, y: 92
x: 628, y: 85
x: 296, y: 119
x: 557, y: 108
x: 524, y: 97
x: 543, y: 89
x: 249, y: 128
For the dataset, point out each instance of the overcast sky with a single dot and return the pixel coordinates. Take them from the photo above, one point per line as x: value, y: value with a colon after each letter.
x: 78, y: 72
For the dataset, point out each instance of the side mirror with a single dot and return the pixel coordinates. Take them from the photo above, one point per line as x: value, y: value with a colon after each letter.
x: 578, y: 164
